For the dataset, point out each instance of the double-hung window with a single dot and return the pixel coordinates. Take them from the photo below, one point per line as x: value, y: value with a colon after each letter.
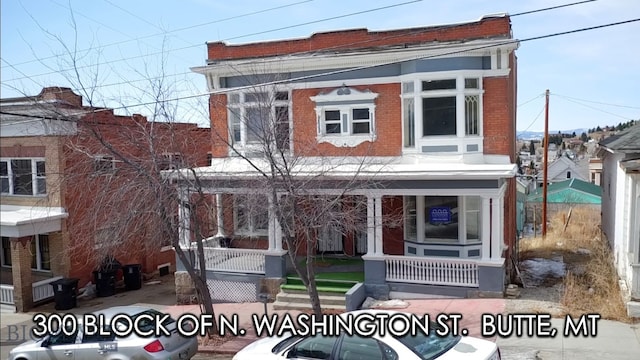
x: 345, y: 116
x: 23, y: 176
x: 259, y: 118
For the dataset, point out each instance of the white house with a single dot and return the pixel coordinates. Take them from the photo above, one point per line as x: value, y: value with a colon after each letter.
x: 621, y: 208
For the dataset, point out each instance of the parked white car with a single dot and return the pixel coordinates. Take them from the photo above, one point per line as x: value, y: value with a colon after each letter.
x: 421, y: 347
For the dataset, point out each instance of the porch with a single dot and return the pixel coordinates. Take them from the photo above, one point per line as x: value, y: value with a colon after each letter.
x: 41, y: 291
x: 448, y: 230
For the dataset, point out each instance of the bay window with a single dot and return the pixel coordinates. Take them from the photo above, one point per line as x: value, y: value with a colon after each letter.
x: 23, y: 176
x: 442, y: 219
x: 435, y: 110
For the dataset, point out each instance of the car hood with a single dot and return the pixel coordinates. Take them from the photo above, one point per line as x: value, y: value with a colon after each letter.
x: 471, y: 348
x: 259, y: 349
x: 28, y: 345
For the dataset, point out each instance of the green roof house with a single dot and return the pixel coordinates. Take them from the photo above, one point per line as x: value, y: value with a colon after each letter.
x: 572, y: 191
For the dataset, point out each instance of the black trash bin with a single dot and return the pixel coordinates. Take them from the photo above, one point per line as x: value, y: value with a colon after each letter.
x: 105, y: 283
x: 65, y: 292
x: 132, y: 276
x: 225, y: 242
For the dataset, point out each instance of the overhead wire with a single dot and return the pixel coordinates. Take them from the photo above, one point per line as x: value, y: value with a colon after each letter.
x: 166, y: 32
x: 235, y: 37
x: 306, y: 77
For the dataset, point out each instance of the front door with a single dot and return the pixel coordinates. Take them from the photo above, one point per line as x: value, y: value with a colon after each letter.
x: 330, y: 239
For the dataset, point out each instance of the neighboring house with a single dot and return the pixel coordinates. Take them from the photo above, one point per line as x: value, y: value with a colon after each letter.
x: 432, y: 111
x: 51, y: 171
x: 561, y: 196
x: 561, y: 169
x: 552, y: 152
x: 595, y: 171
x: 620, y: 156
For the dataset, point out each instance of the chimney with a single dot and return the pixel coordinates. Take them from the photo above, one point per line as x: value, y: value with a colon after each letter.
x: 61, y: 94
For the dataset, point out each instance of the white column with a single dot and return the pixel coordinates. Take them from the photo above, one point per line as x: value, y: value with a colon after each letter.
x: 378, y: 224
x: 184, y: 216
x: 462, y: 220
x: 277, y: 234
x: 501, y: 233
x: 219, y: 215
x: 370, y: 226
x: 486, y: 228
x: 419, y: 218
x: 272, y: 224
x: 496, y: 239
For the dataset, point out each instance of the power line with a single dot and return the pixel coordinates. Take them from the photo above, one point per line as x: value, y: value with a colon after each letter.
x: 278, y: 82
x: 530, y: 100
x: 167, y: 32
x: 595, y: 108
x: 597, y: 102
x: 267, y: 31
x: 236, y: 37
x: 551, y: 8
x: 535, y: 119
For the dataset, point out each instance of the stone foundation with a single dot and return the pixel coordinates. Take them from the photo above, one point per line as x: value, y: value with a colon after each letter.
x: 185, y: 289
x: 271, y: 286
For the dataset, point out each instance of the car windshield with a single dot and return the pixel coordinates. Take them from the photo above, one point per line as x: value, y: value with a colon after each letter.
x: 285, y: 343
x: 429, y: 346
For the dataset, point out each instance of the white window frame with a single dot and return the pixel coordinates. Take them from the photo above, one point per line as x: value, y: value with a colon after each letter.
x: 346, y: 120
x: 35, y: 179
x: 237, y: 115
x: 345, y: 100
x: 463, y: 211
x: 252, y: 214
x: 412, y: 90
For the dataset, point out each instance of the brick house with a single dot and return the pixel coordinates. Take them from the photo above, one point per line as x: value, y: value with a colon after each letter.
x: 431, y: 109
x: 56, y: 174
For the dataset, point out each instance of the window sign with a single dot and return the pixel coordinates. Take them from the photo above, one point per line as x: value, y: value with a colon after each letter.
x: 440, y: 215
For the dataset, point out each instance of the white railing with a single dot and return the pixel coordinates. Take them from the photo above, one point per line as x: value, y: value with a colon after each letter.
x: 43, y: 290
x: 234, y: 260
x: 432, y: 271
x: 6, y: 294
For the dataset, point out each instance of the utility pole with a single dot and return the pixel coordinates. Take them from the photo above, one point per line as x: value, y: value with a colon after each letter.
x: 545, y: 165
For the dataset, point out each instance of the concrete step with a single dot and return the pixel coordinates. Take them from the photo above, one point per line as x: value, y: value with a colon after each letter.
x: 304, y: 292
x: 278, y: 305
x: 304, y: 298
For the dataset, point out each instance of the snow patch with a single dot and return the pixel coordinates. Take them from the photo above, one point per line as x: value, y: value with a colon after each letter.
x: 536, y: 271
x: 371, y: 303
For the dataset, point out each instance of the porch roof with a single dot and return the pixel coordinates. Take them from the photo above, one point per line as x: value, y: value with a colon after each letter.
x: 19, y: 221
x: 412, y: 167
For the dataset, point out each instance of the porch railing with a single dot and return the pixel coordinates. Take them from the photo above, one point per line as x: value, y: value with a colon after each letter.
x: 248, y: 261
x: 42, y: 290
x: 432, y: 271
x: 6, y: 294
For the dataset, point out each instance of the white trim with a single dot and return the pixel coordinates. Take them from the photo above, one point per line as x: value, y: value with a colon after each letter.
x: 358, y: 59
x: 486, y: 229
x: 163, y: 265
x: 377, y: 202
x: 371, y: 232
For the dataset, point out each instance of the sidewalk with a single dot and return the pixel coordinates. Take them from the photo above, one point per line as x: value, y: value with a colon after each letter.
x: 614, y: 340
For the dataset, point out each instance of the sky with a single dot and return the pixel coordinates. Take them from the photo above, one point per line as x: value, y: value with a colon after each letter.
x: 117, y: 53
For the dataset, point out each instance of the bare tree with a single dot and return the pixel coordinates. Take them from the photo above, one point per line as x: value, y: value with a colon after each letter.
x: 310, y: 202
x: 133, y: 210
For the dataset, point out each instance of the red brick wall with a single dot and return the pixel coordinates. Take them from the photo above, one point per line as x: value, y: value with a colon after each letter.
x: 361, y: 38
x: 498, y: 118
x: 91, y: 198
x: 393, y: 230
